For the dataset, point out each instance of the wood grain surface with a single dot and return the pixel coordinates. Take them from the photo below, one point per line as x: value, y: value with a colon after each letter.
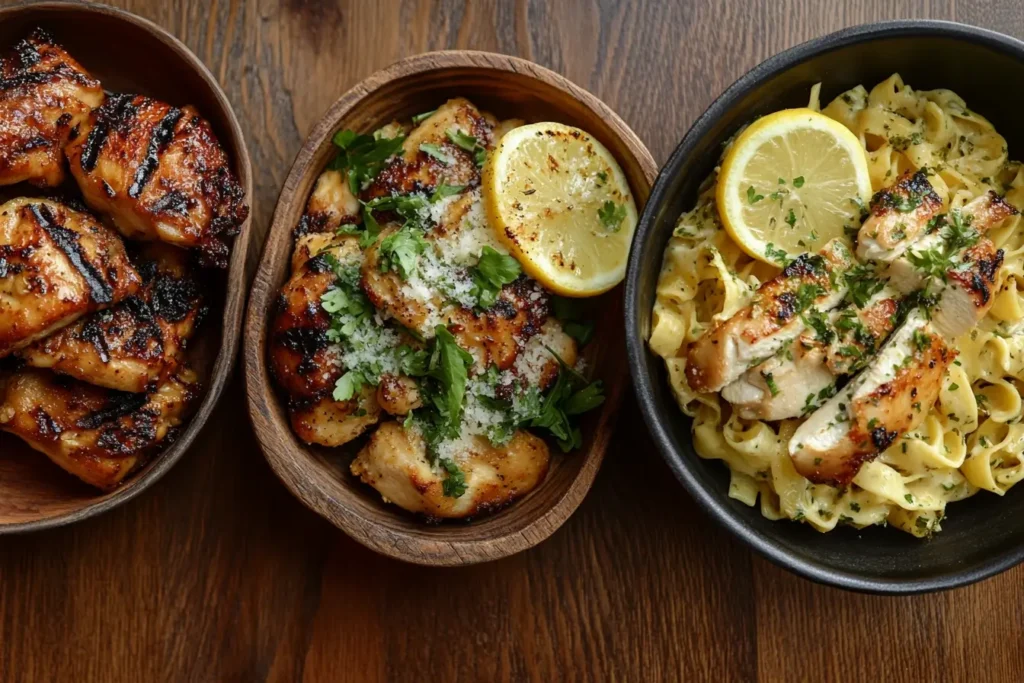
x: 217, y: 574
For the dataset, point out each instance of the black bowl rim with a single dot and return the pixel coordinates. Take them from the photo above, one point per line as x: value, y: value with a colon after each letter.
x: 636, y: 345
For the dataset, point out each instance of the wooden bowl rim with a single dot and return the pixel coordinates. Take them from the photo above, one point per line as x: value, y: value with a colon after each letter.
x: 389, y: 541
x: 234, y: 298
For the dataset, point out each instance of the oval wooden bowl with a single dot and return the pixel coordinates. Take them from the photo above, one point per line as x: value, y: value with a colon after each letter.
x: 130, y: 55
x: 319, y: 477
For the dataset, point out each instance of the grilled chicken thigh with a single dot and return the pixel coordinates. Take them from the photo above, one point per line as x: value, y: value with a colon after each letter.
x: 431, y: 157
x: 44, y: 95
x: 160, y: 174
x: 56, y: 265
x: 138, y: 343
x: 899, y: 216
x: 889, y: 398
x: 331, y: 205
x: 395, y: 462
x: 771, y: 320
x: 98, y: 435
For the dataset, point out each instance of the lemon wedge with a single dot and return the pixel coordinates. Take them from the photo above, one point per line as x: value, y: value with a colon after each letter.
x: 561, y: 204
x: 791, y: 182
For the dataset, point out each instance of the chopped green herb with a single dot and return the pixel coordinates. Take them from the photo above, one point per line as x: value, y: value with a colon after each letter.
x: 791, y: 218
x: 445, y: 190
x: 612, y: 215
x: 363, y: 156
x: 752, y: 196
x: 491, y: 273
x: 769, y: 381
x: 454, y: 484
x: 400, y: 251
x: 420, y: 118
x: 798, y: 181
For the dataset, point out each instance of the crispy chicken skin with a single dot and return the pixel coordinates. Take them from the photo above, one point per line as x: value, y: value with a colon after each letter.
x: 899, y: 216
x: 968, y: 294
x: 137, y: 343
x: 771, y: 320
x: 416, y: 170
x: 98, y: 435
x: 331, y: 205
x: 889, y: 398
x: 302, y: 360
x: 395, y: 462
x: 56, y: 265
x: 44, y: 95
x: 160, y: 174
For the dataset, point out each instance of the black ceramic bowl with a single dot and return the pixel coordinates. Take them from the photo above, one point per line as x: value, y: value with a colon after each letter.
x: 981, y: 536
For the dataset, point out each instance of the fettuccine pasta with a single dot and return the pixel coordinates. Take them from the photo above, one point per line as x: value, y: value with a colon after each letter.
x: 972, y: 439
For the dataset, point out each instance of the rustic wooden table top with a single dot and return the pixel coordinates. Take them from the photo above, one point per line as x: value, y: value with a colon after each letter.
x: 216, y: 573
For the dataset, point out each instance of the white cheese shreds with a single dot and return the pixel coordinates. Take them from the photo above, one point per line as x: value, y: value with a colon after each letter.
x: 535, y: 356
x: 478, y: 421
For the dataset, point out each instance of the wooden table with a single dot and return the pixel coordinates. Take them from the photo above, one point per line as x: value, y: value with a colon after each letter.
x: 217, y: 574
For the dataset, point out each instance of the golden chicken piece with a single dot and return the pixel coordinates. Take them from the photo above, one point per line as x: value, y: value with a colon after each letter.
x: 305, y: 364
x: 773, y: 319
x: 56, y: 265
x: 160, y: 174
x: 138, y: 343
x: 334, y: 423
x: 98, y: 435
x: 889, y: 398
x: 430, y: 155
x: 331, y: 205
x: 395, y: 462
x: 899, y: 216
x: 398, y: 395
x: 44, y: 95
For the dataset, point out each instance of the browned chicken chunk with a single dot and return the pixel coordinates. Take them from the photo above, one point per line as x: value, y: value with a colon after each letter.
x: 430, y: 155
x: 899, y: 216
x: 331, y: 205
x: 160, y: 174
x: 98, y: 435
x: 44, y: 95
x: 56, y: 265
x: 395, y: 462
x: 138, y: 343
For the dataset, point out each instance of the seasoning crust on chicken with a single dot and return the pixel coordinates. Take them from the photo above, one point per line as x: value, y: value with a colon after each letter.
x: 395, y: 462
x: 137, y: 343
x: 44, y: 95
x: 160, y: 173
x: 56, y: 265
x: 98, y: 435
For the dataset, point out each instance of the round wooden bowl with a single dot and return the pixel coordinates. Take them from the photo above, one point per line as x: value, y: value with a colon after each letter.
x: 319, y: 477
x: 129, y: 54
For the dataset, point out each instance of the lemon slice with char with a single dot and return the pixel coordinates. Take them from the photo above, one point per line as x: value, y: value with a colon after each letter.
x: 561, y: 204
x: 790, y: 182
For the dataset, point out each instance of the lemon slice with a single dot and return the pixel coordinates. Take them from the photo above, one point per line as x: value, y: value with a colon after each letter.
x: 791, y: 182
x: 559, y: 201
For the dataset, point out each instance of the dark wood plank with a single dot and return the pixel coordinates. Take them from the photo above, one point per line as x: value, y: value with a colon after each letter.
x: 218, y: 574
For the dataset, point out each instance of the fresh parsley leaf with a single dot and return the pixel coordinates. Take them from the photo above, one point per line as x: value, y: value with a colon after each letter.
x: 454, y: 484
x: 791, y: 218
x: 348, y: 385
x: 777, y: 255
x: 569, y: 314
x: 612, y: 215
x: 449, y: 368
x: 371, y: 229
x: 752, y: 196
x: 862, y: 284
x: 420, y: 118
x: 412, y: 362
x: 798, y: 181
x: 584, y: 400
x: 444, y: 190
x: 363, y: 156
x: 493, y: 271
x: 400, y: 251
x: 769, y: 381
x: 462, y: 140
x: 437, y: 152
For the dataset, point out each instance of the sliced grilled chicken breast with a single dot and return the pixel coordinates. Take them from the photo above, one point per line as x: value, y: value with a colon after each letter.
x: 771, y: 320
x: 960, y: 230
x: 44, y: 95
x: 431, y: 158
x: 56, y: 265
x: 327, y: 422
x: 160, y: 173
x: 899, y: 216
x: 890, y: 397
x: 98, y: 435
x: 139, y: 342
x: 395, y: 462
x: 798, y: 378
x: 968, y: 291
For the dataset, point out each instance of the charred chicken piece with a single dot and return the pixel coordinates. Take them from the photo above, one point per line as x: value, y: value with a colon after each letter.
x: 44, y: 95
x: 160, y: 174
x: 56, y: 265
x: 138, y: 343
x: 98, y: 435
